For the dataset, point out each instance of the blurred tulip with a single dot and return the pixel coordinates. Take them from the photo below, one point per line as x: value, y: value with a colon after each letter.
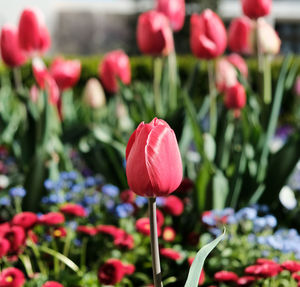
x: 154, y: 34
x: 93, y: 94
x: 154, y: 165
x: 208, y: 37
x: 115, y: 66
x: 235, y: 97
x: 297, y: 86
x: 256, y: 8
x: 268, y: 38
x: 34, y: 93
x: 11, y: 53
x: 33, y: 34
x: 53, y: 92
x: 226, y: 75
x: 239, y: 63
x: 174, y: 10
x: 240, y: 37
x: 66, y: 73
x: 40, y: 72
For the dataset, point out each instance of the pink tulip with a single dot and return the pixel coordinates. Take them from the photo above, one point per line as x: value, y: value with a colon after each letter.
x: 240, y: 36
x: 174, y: 10
x: 33, y: 34
x: 235, y: 97
x: 154, y: 165
x: 34, y: 93
x: 115, y: 66
x: 208, y: 37
x: 239, y: 63
x: 11, y: 53
x: 66, y: 73
x: 154, y: 34
x: 256, y: 8
x: 226, y: 75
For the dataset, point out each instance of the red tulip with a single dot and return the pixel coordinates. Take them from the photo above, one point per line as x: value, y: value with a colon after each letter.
x: 208, y: 37
x: 52, y: 284
x: 11, y: 53
x: 239, y: 63
x: 33, y: 33
x: 154, y: 165
x: 256, y: 8
x: 226, y: 75
x: 240, y: 36
x: 115, y: 66
x: 170, y: 254
x: 25, y: 219
x: 235, y: 97
x: 73, y: 209
x: 111, y: 272
x: 66, y: 73
x: 40, y: 72
x: 174, y: 10
x: 4, y: 247
x: 12, y: 277
x: 154, y: 34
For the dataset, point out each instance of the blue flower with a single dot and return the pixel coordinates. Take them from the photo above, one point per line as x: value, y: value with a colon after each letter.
x: 209, y: 220
x: 77, y: 242
x: 259, y: 224
x: 110, y: 190
x: 49, y: 184
x: 110, y: 204
x: 271, y: 221
x: 72, y: 224
x: 124, y: 210
x: 90, y: 181
x: 17, y: 192
x: 140, y: 201
x: 160, y: 201
x: 246, y: 213
x: 5, y: 201
x: 76, y: 188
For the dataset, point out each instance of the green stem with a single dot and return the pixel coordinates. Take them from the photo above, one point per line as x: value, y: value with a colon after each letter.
x: 173, y: 80
x: 37, y: 255
x: 27, y: 264
x: 83, y: 254
x: 213, y: 97
x: 156, y: 85
x: 55, y: 259
x: 267, y: 80
x: 67, y: 245
x: 18, y: 79
x: 154, y: 243
x: 18, y: 204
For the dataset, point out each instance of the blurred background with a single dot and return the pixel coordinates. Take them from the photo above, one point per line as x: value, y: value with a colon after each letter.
x: 96, y: 26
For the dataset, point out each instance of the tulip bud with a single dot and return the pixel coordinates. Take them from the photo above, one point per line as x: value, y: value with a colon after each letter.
x: 94, y: 95
x: 256, y: 8
x: 115, y: 66
x: 66, y: 73
x: 235, y: 97
x: 208, y: 38
x: 239, y: 63
x: 34, y: 93
x: 268, y: 38
x: 226, y: 75
x: 154, y: 166
x: 33, y: 33
x: 240, y: 36
x: 174, y: 10
x: 11, y: 53
x: 40, y: 72
x: 154, y: 34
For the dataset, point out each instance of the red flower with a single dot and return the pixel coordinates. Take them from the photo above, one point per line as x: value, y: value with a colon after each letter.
x: 225, y: 276
x: 160, y: 218
x: 32, y: 236
x: 154, y: 34
x: 25, y: 219
x: 296, y: 276
x: 73, y: 209
x: 52, y: 284
x: 127, y: 196
x: 88, y: 230
x: 123, y: 240
x: 4, y: 227
x: 107, y: 229
x: 154, y: 165
x: 4, y: 247
x: 16, y: 237
x: 111, y: 272
x: 174, y: 10
x: 142, y: 225
x: 173, y: 205
x: 59, y: 232
x: 169, y: 234
x: 12, y: 277
x: 11, y: 53
x: 264, y: 270
x: 235, y: 97
x: 261, y: 261
x: 33, y: 33
x: 51, y: 218
x: 66, y: 73
x: 208, y: 38
x: 292, y: 266
x: 129, y: 269
x: 115, y: 66
x: 240, y: 35
x: 246, y: 280
x: 226, y: 75
x: 170, y: 254
x: 238, y: 62
x: 256, y: 8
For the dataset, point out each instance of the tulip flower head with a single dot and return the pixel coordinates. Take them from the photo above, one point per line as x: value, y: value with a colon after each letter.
x: 33, y: 33
x: 12, y: 54
x: 235, y: 97
x: 239, y: 63
x: 115, y: 66
x: 94, y: 95
x: 208, y: 37
x: 154, y: 34
x: 154, y: 166
x: 226, y: 75
x: 174, y: 10
x: 256, y: 8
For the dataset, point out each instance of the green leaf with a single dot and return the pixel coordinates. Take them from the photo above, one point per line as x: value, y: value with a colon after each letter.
x: 196, y: 268
x: 220, y: 190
